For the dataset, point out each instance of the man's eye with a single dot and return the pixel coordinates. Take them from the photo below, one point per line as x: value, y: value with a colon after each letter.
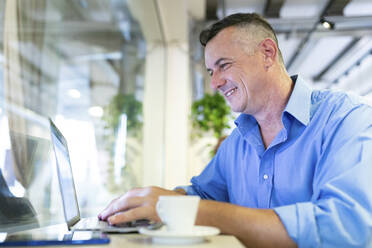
x: 210, y: 72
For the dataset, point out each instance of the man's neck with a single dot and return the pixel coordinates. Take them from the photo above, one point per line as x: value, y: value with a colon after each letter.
x: 270, y: 117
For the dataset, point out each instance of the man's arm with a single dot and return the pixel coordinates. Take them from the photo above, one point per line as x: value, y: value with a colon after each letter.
x: 233, y: 219
x: 180, y: 191
x: 138, y: 203
x: 253, y: 227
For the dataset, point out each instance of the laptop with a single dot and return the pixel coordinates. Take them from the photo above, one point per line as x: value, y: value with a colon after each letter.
x: 68, y: 193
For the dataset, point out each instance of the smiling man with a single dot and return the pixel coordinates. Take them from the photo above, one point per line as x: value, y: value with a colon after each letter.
x: 296, y: 169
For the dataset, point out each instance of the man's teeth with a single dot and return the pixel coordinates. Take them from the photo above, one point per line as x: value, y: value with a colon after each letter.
x: 230, y: 92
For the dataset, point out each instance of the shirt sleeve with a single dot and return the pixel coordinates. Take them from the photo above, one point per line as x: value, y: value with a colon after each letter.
x: 340, y: 211
x: 211, y: 183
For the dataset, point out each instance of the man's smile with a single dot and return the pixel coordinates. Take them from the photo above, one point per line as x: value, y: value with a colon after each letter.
x: 230, y: 92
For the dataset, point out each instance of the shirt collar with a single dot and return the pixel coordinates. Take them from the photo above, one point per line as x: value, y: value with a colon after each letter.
x: 245, y: 123
x: 300, y: 101
x: 298, y: 106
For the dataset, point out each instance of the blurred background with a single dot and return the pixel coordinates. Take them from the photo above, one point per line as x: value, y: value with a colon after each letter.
x: 125, y: 82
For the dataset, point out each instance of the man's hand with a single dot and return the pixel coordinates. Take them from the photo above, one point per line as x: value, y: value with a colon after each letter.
x: 138, y: 203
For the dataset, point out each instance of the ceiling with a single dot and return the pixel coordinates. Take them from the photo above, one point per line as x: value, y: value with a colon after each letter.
x: 322, y: 55
x: 95, y: 30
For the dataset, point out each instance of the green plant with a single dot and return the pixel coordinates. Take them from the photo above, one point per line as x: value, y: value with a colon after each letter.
x: 211, y: 113
x: 124, y: 103
x: 129, y: 105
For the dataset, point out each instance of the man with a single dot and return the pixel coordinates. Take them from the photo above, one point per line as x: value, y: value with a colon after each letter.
x: 295, y: 170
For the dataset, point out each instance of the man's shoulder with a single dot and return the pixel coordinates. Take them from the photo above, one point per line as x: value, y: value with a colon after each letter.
x: 337, y: 100
x: 234, y: 136
x: 333, y: 106
x: 232, y: 140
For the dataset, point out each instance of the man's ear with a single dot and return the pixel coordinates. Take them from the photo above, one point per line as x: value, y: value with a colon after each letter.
x: 269, y: 50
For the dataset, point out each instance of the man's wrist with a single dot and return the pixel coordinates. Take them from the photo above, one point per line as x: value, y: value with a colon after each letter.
x: 180, y: 191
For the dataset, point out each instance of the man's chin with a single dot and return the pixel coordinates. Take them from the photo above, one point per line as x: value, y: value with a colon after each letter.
x: 235, y: 109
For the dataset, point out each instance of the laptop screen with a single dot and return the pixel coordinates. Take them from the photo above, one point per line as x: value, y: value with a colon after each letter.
x: 66, y: 181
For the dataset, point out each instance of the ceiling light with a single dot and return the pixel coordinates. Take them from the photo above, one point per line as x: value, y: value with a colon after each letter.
x: 327, y: 24
x: 96, y: 111
x: 1, y: 111
x: 74, y: 93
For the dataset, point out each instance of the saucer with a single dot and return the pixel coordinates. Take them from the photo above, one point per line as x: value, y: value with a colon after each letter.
x: 163, y: 236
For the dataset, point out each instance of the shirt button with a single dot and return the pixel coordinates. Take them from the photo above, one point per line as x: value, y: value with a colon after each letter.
x: 265, y: 176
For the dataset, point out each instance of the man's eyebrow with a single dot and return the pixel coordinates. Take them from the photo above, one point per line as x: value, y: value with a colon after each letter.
x: 219, y: 61
x: 216, y: 64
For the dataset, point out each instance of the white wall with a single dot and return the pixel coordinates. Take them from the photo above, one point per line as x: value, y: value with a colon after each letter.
x: 167, y: 96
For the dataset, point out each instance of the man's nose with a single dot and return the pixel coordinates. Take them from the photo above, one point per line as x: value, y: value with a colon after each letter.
x: 217, y: 81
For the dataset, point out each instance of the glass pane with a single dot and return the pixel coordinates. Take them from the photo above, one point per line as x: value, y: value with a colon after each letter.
x: 81, y: 63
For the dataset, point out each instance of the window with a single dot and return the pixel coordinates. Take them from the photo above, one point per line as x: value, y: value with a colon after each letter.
x: 82, y: 64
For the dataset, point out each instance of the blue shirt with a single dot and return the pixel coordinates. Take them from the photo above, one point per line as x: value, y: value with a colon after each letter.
x: 316, y: 174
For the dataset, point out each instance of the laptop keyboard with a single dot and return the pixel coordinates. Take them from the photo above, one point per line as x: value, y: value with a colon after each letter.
x: 135, y: 223
x: 95, y: 223
x: 88, y: 223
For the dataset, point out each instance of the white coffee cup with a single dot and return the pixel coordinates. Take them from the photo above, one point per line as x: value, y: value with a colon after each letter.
x: 178, y: 213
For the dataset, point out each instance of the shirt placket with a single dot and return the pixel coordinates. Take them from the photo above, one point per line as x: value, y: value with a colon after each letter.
x: 266, y: 171
x: 266, y: 179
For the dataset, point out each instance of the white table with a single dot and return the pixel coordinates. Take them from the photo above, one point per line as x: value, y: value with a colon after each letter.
x: 139, y: 240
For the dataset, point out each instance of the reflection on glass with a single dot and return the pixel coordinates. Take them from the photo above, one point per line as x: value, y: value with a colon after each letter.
x: 14, y: 211
x: 66, y: 180
x: 121, y: 138
x: 59, y: 59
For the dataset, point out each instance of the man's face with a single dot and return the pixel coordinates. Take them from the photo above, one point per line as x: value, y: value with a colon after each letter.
x: 236, y: 74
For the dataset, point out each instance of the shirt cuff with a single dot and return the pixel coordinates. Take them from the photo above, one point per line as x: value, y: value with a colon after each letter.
x: 299, y: 221
x: 189, y: 189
